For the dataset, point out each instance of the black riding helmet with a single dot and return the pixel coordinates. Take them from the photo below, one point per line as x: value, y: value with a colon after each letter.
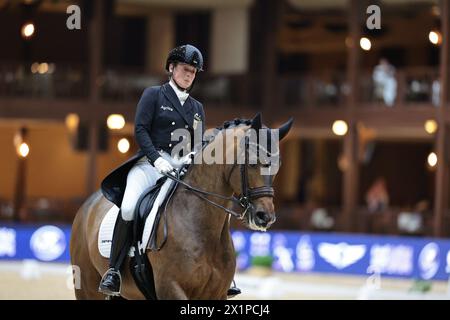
x: 186, y: 54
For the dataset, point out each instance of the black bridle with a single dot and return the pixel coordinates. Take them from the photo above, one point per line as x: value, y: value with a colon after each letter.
x: 244, y: 200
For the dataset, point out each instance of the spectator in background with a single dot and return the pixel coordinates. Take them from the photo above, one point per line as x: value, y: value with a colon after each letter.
x: 377, y: 197
x: 435, y: 93
x: 385, y: 82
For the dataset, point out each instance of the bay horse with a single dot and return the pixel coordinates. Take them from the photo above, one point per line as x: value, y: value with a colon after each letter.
x: 198, y: 260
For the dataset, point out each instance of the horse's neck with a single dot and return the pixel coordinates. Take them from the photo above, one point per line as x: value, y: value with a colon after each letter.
x: 210, y: 178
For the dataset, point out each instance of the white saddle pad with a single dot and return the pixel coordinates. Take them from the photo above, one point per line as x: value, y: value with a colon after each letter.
x: 107, y: 226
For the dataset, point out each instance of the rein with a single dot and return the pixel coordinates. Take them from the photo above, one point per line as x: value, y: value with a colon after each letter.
x: 243, y: 200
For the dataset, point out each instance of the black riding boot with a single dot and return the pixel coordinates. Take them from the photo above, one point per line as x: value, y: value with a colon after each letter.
x: 121, y: 242
x: 233, y: 291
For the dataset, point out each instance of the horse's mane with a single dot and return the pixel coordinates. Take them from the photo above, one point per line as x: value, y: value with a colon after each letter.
x: 234, y: 123
x: 227, y: 125
x: 230, y: 124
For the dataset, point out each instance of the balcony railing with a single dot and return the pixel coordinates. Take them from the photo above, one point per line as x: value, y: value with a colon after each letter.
x: 408, y: 87
x: 234, y: 90
x: 312, y: 91
x: 46, y: 81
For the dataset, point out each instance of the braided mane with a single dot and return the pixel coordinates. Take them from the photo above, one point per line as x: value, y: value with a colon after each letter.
x: 234, y: 123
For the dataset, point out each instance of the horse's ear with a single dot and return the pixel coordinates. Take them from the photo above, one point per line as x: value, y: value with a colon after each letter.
x: 284, y: 129
x: 257, y: 122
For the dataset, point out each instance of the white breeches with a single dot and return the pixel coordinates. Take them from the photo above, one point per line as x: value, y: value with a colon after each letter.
x: 141, y: 176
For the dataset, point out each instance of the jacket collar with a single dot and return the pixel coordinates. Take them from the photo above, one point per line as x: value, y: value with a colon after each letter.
x: 172, y: 96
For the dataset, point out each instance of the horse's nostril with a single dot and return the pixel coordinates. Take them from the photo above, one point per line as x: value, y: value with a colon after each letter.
x: 262, y: 216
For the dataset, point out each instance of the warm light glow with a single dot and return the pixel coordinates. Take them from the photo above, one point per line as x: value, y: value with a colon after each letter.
x: 17, y: 140
x: 340, y: 128
x: 24, y: 150
x: 27, y: 30
x: 365, y: 44
x: 123, y: 145
x: 432, y: 159
x: 72, y: 121
x: 35, y: 67
x: 435, y: 37
x: 43, y: 68
x: 115, y: 122
x: 435, y: 11
x: 431, y: 126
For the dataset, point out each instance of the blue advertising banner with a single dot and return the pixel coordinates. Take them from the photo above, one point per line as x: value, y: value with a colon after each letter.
x: 406, y: 257
x: 44, y: 243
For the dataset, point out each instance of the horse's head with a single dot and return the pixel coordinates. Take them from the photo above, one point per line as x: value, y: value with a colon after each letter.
x: 251, y: 177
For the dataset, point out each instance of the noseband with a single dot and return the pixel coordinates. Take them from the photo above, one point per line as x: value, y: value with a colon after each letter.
x: 247, y: 194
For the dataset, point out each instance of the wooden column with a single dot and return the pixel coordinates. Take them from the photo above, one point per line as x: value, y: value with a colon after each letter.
x: 350, y: 145
x: 354, y: 54
x: 350, y: 179
x: 443, y: 134
x: 271, y: 16
x: 160, y: 40
x: 91, y: 173
x: 96, y: 28
x: 20, y: 185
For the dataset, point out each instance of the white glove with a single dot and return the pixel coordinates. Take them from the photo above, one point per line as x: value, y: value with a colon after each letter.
x: 162, y: 165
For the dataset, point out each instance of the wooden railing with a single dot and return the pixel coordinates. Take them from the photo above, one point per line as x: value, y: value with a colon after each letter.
x: 415, y: 86
x: 61, y: 81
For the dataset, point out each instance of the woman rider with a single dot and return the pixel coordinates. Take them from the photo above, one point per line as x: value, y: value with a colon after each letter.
x: 160, y: 111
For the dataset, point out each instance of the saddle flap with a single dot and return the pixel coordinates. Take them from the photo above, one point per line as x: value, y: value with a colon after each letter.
x: 146, y: 218
x: 144, y: 207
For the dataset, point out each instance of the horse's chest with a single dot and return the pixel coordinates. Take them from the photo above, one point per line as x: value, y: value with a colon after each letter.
x: 213, y: 282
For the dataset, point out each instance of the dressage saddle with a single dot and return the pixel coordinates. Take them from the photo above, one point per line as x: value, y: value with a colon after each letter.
x: 140, y: 266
